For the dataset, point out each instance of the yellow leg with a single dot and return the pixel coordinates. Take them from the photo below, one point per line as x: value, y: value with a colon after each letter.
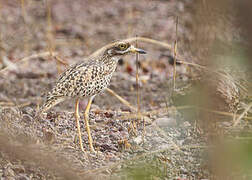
x: 77, y: 117
x: 121, y: 99
x: 86, y: 117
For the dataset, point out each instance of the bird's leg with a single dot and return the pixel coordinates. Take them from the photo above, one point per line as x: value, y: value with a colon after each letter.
x: 77, y: 117
x: 86, y: 117
x: 121, y: 99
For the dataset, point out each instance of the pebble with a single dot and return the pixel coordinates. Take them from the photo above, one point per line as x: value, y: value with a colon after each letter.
x: 163, y: 105
x: 186, y: 124
x: 138, y: 140
x: 147, y: 120
x: 8, y: 172
x: 18, y: 168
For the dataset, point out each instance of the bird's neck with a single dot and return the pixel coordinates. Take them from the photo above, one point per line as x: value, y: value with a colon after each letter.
x: 111, y: 61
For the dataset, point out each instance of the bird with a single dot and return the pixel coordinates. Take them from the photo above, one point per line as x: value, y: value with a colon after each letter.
x: 86, y: 79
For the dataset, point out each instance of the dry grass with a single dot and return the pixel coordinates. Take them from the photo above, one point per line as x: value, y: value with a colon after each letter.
x: 36, y: 154
x: 140, y: 39
x: 238, y: 120
x: 46, y: 159
x: 137, y: 157
x: 175, y: 55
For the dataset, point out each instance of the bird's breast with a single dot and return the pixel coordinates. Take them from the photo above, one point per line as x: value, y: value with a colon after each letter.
x: 93, y: 87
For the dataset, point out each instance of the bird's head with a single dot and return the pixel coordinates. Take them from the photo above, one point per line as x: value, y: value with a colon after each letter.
x: 122, y: 48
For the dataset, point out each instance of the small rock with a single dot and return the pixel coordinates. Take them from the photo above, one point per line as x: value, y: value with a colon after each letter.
x: 163, y: 105
x: 147, y: 120
x: 12, y: 66
x: 183, y: 170
x: 18, y: 169
x: 94, y: 106
x: 138, y: 140
x: 48, y: 136
x: 226, y: 124
x: 186, y: 124
x: 8, y: 172
x: 165, y: 122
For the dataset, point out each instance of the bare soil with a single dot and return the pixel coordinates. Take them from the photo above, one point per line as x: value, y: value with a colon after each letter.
x: 47, y: 148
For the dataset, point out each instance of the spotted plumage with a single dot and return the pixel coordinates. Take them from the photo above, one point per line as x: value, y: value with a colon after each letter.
x: 89, y: 77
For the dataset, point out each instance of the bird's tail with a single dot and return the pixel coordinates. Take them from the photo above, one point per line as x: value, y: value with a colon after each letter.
x: 50, y: 102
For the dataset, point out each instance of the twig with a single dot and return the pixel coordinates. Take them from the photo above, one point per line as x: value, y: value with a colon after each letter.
x: 24, y: 16
x: 153, y: 112
x: 7, y: 104
x: 223, y: 113
x: 23, y: 104
x: 39, y: 55
x: 242, y: 115
x: 50, y: 39
x: 121, y: 99
x: 49, y: 27
x: 175, y: 55
x: 61, y: 61
x: 137, y: 88
x: 11, y: 104
x: 243, y: 138
x: 137, y: 80
x: 158, y: 111
x: 1, y: 43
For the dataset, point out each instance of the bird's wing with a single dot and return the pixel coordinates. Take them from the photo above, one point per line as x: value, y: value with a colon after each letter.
x: 75, y: 78
x: 69, y: 70
x: 78, y: 75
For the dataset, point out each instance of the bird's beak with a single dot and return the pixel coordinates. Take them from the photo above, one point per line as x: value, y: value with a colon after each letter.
x: 137, y: 50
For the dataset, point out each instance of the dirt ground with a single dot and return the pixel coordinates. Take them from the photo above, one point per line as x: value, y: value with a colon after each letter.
x: 47, y: 148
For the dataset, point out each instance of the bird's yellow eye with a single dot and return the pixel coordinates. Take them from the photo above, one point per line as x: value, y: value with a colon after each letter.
x: 123, y: 46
